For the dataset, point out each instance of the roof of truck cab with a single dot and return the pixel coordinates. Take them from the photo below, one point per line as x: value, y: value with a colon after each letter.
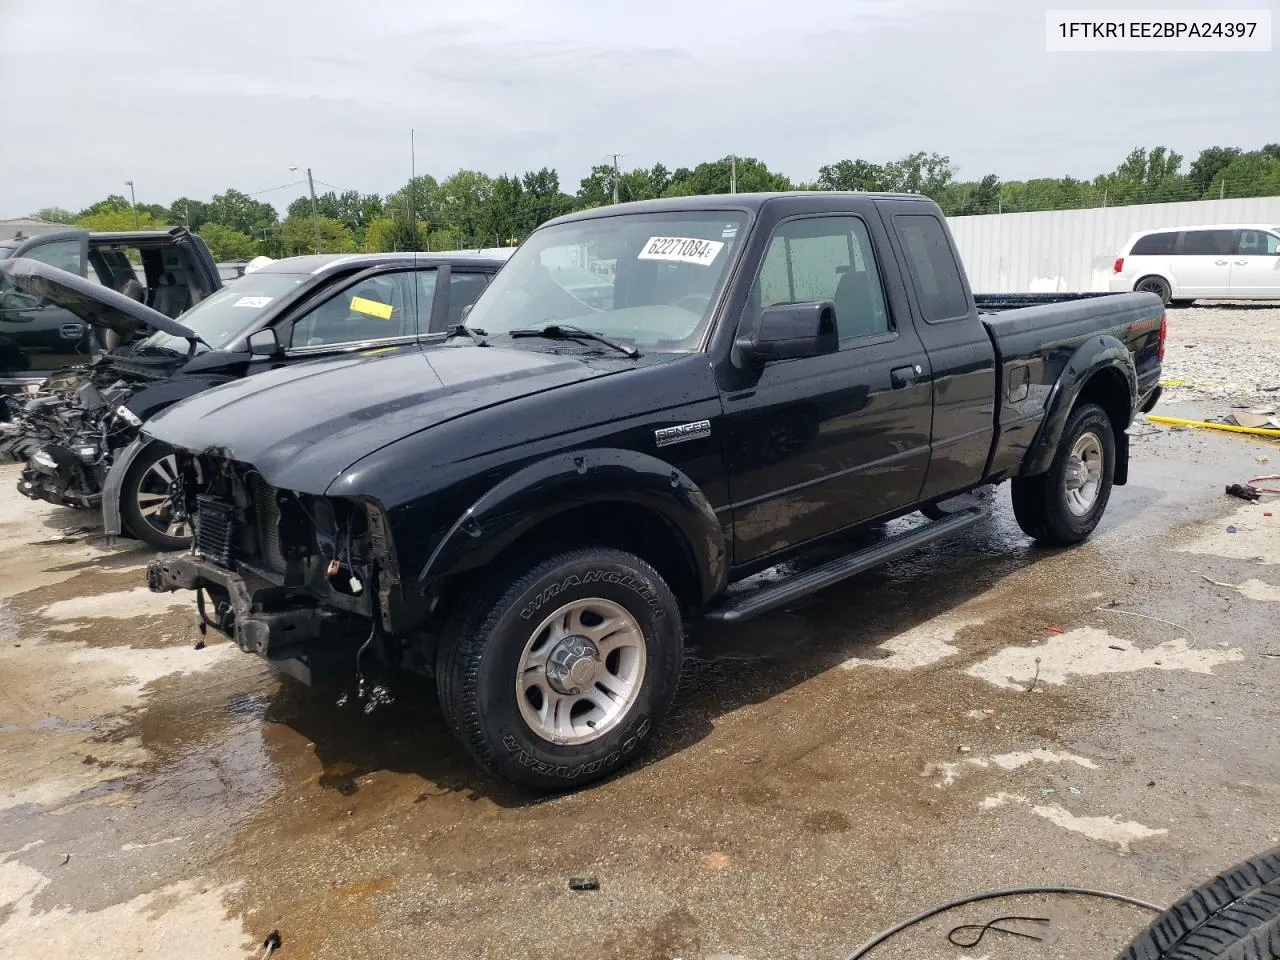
x: 723, y: 201
x: 324, y: 262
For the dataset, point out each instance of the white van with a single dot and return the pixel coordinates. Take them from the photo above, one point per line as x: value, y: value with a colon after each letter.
x: 1229, y: 261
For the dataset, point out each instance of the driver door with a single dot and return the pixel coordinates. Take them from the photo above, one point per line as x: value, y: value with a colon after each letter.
x: 36, y: 337
x: 377, y: 308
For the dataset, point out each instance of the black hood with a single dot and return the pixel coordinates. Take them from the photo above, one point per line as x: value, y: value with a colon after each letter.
x: 302, y: 426
x: 91, y: 302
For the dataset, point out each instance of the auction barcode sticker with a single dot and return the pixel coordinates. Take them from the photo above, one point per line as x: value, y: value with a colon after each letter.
x: 681, y: 250
x: 1158, y: 31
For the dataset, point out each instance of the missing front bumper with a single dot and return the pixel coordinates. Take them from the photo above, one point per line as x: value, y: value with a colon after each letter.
x: 296, y: 633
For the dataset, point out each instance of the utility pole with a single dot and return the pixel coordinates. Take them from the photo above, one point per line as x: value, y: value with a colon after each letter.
x: 616, y: 174
x: 133, y: 202
x: 733, y: 174
x: 315, y: 214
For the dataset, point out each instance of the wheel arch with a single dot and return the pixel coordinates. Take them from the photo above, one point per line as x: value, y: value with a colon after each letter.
x: 1157, y: 275
x: 1100, y: 371
x: 603, y: 497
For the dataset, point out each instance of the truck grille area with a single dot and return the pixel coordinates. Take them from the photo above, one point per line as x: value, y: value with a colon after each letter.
x: 215, y: 530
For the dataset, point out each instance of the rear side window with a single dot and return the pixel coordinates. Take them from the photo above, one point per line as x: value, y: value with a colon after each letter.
x: 1258, y: 244
x: 937, y: 275
x: 1154, y: 244
x: 1204, y: 243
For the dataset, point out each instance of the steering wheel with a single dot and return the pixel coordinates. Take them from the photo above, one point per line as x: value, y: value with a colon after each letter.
x: 702, y: 300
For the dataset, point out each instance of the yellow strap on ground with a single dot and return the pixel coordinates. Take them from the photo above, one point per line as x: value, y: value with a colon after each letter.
x: 1256, y: 431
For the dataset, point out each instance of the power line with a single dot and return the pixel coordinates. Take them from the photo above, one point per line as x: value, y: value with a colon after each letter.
x: 258, y: 193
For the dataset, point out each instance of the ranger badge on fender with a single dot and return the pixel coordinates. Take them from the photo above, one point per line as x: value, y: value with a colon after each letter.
x: 685, y: 431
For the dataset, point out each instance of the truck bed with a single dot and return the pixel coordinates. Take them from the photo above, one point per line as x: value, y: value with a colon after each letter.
x: 999, y: 302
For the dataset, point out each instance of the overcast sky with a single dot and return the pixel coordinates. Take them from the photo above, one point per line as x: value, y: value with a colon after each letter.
x: 186, y: 98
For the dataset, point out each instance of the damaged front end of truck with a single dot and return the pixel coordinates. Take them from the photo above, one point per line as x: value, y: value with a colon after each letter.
x: 307, y: 581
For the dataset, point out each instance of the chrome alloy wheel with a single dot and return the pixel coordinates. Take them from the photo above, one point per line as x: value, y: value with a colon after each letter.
x: 157, y: 498
x: 1084, y: 474
x: 581, y: 671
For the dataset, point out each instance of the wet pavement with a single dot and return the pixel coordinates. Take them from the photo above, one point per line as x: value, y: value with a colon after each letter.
x: 984, y: 714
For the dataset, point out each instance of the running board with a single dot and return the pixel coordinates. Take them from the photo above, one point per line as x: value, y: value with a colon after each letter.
x: 841, y: 568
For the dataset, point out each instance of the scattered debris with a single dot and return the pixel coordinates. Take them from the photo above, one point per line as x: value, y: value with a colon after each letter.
x: 1049, y: 629
x: 271, y: 944
x: 1244, y: 492
x: 964, y: 943
x: 751, y: 760
x: 1231, y: 528
x: 199, y: 645
x: 1036, y: 678
x: 1112, y: 608
x: 964, y: 749
x: 66, y: 858
x: 584, y: 883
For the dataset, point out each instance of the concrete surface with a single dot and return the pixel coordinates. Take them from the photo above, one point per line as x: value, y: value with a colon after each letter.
x: 977, y: 716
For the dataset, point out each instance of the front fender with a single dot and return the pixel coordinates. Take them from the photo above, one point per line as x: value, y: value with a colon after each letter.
x: 560, y: 483
x: 1090, y: 358
x: 111, y: 487
x: 146, y: 403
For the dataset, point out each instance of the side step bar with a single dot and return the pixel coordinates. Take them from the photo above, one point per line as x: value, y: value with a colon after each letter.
x: 841, y: 568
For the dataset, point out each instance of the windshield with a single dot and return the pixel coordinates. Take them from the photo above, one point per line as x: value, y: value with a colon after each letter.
x: 644, y: 278
x: 6, y: 252
x: 224, y: 315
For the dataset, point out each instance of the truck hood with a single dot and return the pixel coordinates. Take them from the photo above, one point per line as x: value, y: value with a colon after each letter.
x: 302, y: 426
x: 93, y: 303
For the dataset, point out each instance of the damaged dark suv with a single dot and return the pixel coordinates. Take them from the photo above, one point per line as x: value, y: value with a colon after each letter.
x: 529, y: 509
x: 79, y: 433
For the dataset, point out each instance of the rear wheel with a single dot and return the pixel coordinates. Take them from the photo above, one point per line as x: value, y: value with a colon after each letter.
x: 1235, y: 916
x: 1157, y: 285
x: 150, y: 507
x: 552, y: 674
x: 1064, y: 505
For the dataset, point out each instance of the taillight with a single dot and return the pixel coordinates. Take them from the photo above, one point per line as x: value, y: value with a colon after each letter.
x: 1164, y: 333
x: 1119, y: 264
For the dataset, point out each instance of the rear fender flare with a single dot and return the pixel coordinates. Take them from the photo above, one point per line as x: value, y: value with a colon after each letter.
x: 566, y: 481
x: 1090, y: 358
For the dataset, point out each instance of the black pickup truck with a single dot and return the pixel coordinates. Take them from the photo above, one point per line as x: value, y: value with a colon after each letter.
x: 529, y: 509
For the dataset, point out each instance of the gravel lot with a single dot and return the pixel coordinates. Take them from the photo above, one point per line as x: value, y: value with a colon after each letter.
x: 1227, y: 353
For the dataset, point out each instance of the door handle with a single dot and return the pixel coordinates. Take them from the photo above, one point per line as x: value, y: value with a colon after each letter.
x: 1219, y: 263
x: 902, y: 377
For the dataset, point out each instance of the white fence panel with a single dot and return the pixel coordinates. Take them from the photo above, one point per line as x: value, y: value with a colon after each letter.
x: 1053, y: 251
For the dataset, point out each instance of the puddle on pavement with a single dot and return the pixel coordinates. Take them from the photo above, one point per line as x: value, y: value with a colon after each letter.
x: 1245, y: 534
x: 949, y: 772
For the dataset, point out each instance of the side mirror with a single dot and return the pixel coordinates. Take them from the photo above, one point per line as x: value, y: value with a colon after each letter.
x: 264, y: 343
x: 788, y: 331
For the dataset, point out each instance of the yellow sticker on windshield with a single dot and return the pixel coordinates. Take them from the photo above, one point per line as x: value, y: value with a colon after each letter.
x: 372, y: 307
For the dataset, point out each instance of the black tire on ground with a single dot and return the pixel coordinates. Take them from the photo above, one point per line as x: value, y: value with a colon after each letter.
x: 1043, y: 504
x: 1157, y: 285
x: 1181, y: 303
x: 508, y: 620
x: 1235, y: 916
x: 143, y: 483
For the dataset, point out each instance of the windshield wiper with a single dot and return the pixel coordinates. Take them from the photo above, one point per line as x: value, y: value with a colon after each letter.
x: 462, y: 330
x: 566, y: 331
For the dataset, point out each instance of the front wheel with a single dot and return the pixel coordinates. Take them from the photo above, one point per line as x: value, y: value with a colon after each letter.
x: 150, y: 507
x: 553, y: 674
x: 1064, y: 505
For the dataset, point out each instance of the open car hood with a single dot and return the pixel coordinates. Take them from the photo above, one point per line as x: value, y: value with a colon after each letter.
x: 91, y: 302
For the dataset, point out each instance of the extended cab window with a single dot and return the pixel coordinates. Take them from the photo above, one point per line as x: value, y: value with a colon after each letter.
x: 825, y: 258
x: 933, y: 265
x: 376, y: 308
x: 464, y: 288
x: 1154, y: 244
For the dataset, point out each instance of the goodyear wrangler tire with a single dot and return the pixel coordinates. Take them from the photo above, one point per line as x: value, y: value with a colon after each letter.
x: 556, y: 676
x: 1235, y: 916
x: 1063, y: 506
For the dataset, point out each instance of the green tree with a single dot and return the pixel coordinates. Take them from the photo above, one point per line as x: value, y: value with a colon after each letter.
x: 192, y: 214
x: 227, y: 244
x: 1252, y: 174
x: 121, y: 219
x: 852, y: 175
x: 241, y: 212
x: 1209, y: 164
x: 464, y: 203
x: 298, y: 236
x: 55, y: 215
